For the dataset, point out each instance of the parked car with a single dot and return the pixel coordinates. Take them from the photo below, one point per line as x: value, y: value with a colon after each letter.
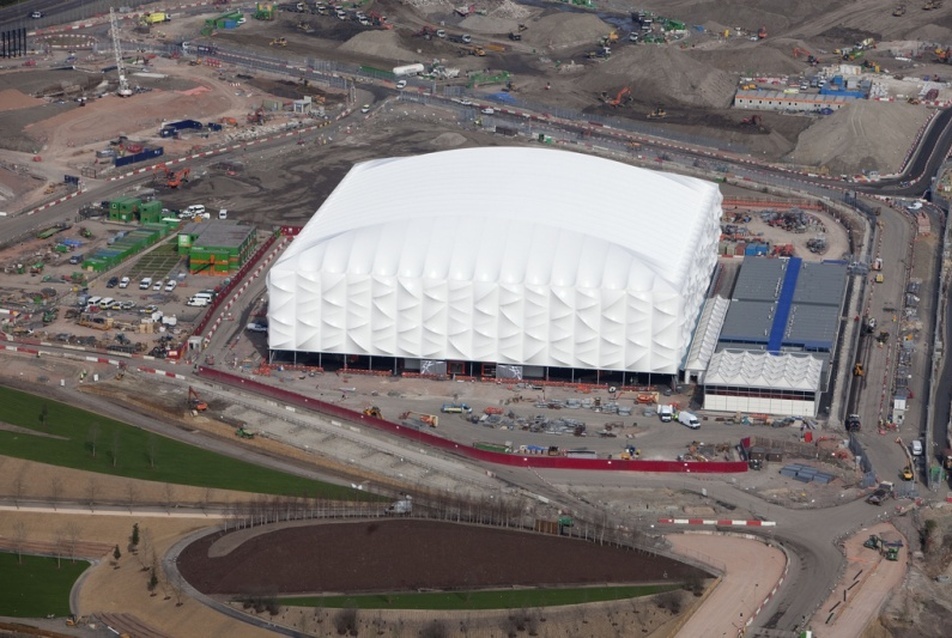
x: 257, y: 327
x: 146, y: 283
x: 401, y: 84
x: 170, y: 286
x: 113, y: 282
x: 124, y: 282
x: 157, y: 285
x: 917, y: 448
x: 194, y: 210
x: 127, y: 305
x: 36, y: 15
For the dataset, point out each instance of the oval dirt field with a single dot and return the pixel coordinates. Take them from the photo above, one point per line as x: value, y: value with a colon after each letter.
x: 399, y: 555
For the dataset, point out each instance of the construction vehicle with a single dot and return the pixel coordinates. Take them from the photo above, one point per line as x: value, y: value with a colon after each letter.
x: 264, y: 11
x: 882, y: 493
x: 242, y: 433
x: 899, y: 11
x: 762, y: 33
x: 124, y: 89
x: 229, y: 121
x: 658, y: 113
x: 279, y: 42
x: 623, y: 96
x: 908, y: 471
x: 456, y: 408
x: 931, y: 5
x: 174, y: 179
x: 195, y: 402
x: 373, y: 411
x: 858, y: 370
x: 753, y: 120
x: 430, y: 420
x: 630, y: 453
x: 477, y: 51
x: 853, y: 423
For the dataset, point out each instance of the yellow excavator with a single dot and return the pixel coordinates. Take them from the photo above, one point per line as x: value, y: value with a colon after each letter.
x: 373, y: 411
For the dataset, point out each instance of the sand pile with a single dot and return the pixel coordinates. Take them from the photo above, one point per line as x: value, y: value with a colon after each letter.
x: 750, y: 60
x: 561, y: 31
x: 862, y: 136
x: 664, y: 75
x: 379, y: 44
x: 12, y: 99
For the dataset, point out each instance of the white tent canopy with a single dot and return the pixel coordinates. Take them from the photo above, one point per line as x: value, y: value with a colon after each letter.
x: 507, y: 255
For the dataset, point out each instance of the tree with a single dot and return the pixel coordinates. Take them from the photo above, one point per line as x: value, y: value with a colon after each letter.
x: 19, y: 539
x: 19, y: 486
x: 153, y: 581
x: 169, y: 496
x: 150, y: 451
x: 92, y: 490
x: 345, y: 622
x: 71, y: 534
x: 134, y: 538
x: 132, y: 493
x: 56, y: 489
x: 114, y: 453
x: 116, y: 554
x: 92, y: 439
x: 44, y: 415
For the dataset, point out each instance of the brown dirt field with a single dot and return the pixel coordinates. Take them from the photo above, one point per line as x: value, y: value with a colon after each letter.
x: 392, y: 556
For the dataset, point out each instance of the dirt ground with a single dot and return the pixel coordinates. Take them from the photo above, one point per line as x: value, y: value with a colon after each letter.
x: 381, y: 556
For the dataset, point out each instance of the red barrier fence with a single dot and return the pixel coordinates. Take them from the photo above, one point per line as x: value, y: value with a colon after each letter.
x: 424, y: 437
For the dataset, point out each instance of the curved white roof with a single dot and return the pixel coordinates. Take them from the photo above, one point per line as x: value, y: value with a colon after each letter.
x: 531, y: 221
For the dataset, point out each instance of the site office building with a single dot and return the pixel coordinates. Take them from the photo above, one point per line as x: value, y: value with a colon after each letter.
x: 219, y: 247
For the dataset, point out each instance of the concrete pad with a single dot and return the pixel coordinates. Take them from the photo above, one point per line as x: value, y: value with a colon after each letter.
x: 752, y: 571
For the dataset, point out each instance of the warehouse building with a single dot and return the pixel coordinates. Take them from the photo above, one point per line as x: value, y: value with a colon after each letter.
x: 778, y: 338
x: 219, y: 247
x: 781, y: 101
x: 500, y: 262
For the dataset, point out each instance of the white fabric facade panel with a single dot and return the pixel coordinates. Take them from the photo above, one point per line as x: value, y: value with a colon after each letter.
x: 759, y: 405
x: 528, y: 259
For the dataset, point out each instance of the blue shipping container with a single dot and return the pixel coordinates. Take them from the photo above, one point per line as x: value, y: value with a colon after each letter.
x: 148, y: 153
x: 755, y: 250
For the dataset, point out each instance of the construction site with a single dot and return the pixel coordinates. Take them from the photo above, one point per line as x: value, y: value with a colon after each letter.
x: 678, y: 66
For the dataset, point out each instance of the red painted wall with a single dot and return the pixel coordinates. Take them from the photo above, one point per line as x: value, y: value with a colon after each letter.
x: 421, y: 436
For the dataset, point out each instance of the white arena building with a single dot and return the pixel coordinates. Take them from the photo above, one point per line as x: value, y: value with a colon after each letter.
x: 517, y: 260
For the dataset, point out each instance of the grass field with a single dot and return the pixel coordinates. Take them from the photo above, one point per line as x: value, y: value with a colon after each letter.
x: 69, y: 437
x: 38, y: 587
x: 501, y: 599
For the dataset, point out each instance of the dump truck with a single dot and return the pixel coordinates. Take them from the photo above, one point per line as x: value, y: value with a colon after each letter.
x: 156, y: 17
x: 882, y: 494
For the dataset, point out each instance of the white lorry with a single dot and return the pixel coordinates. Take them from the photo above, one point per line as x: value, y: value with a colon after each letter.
x: 403, y: 507
x: 688, y: 419
x: 666, y: 413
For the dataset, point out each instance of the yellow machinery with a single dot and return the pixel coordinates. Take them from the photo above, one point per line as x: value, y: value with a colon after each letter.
x: 279, y: 42
x: 373, y: 411
x: 430, y: 420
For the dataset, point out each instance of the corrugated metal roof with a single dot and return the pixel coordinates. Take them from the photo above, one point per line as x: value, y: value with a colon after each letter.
x: 220, y: 233
x: 822, y: 284
x: 759, y: 280
x: 706, y: 333
x: 748, y: 322
x: 797, y: 372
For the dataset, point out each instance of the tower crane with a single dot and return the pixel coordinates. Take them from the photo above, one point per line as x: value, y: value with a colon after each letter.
x: 124, y: 90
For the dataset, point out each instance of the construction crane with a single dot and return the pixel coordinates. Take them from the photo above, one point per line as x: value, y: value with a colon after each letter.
x: 195, y: 402
x: 426, y: 419
x: 124, y: 90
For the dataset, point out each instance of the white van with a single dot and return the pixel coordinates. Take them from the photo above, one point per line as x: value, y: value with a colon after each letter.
x: 170, y: 285
x: 145, y: 283
x: 93, y: 301
x: 917, y: 448
x: 207, y: 296
x: 124, y: 282
x: 666, y: 413
x: 199, y: 302
x: 223, y: 213
x: 106, y: 303
x: 688, y: 419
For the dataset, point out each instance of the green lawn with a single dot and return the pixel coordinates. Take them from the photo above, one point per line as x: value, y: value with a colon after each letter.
x: 37, y: 587
x: 73, y: 438
x: 501, y: 599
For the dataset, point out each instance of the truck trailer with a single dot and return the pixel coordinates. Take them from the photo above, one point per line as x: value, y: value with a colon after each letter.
x: 408, y: 69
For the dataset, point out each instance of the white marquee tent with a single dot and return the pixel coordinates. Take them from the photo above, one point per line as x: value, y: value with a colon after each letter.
x: 523, y: 256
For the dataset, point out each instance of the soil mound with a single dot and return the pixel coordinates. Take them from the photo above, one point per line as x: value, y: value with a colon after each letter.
x: 664, y: 75
x: 561, y: 31
x: 862, y: 136
x: 379, y: 44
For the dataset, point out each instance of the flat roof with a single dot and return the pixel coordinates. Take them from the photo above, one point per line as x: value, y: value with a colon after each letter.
x: 759, y: 280
x: 804, y: 98
x: 219, y: 233
x: 785, y: 304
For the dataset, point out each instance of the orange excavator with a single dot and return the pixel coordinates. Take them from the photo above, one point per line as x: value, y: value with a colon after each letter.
x: 426, y: 419
x: 620, y: 98
x: 174, y: 179
x: 195, y: 402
